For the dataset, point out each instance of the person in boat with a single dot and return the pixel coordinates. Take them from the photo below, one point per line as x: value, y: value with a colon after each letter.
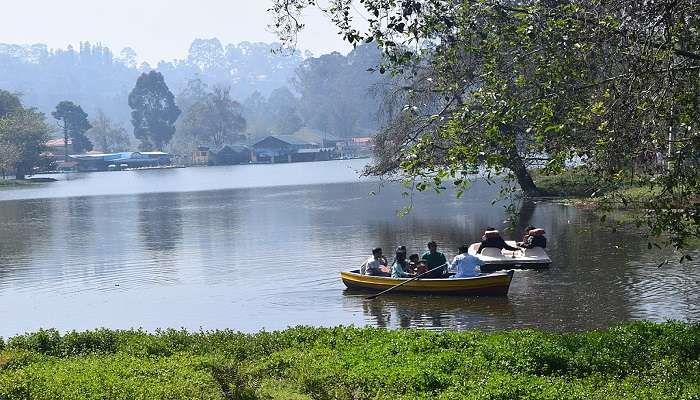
x: 492, y: 238
x: 416, y: 265
x: 401, y: 249
x: 400, y: 267
x: 526, y: 235
x: 373, y: 265
x: 535, y: 238
x: 465, y: 265
x: 434, y: 259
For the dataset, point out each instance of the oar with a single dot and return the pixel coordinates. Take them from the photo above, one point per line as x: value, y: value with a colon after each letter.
x: 374, y: 296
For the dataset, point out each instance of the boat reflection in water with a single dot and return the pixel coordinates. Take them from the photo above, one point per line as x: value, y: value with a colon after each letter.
x: 430, y: 312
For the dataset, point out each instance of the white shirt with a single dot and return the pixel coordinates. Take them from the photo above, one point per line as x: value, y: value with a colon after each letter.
x: 466, y: 265
x: 370, y: 265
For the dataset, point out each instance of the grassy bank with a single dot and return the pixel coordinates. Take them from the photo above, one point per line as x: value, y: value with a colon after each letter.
x: 640, y: 360
x: 579, y: 188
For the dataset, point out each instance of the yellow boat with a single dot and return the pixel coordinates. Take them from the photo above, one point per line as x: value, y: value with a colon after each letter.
x: 495, y: 284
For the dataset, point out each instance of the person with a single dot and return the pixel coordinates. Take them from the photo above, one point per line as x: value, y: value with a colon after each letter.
x: 535, y: 238
x: 434, y: 259
x: 373, y: 265
x: 492, y: 238
x: 526, y: 235
x: 400, y: 267
x: 400, y: 249
x: 465, y: 265
x: 417, y: 265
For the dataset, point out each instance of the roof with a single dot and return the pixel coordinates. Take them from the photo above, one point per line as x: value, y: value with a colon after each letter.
x: 289, y: 139
x: 154, y: 153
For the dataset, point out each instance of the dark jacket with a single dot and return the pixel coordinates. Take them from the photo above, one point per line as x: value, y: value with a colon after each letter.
x: 496, y: 242
x: 535, y: 241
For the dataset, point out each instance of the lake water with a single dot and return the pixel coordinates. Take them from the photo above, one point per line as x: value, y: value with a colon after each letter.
x: 261, y: 247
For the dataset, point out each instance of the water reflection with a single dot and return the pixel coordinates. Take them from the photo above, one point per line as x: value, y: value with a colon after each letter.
x: 269, y: 256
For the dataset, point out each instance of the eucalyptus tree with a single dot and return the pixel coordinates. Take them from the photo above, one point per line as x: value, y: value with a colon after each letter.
x: 154, y: 111
x: 612, y: 85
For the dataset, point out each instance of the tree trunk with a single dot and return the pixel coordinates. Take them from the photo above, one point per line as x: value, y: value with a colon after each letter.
x: 527, y: 184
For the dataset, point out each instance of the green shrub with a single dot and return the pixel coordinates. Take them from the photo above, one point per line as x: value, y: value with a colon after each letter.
x: 637, y: 360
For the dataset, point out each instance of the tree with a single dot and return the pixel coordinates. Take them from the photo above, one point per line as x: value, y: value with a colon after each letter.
x: 216, y: 119
x: 23, y: 134
x: 282, y: 112
x: 153, y: 112
x: 610, y: 85
x: 108, y: 136
x: 8, y: 103
x: 73, y: 120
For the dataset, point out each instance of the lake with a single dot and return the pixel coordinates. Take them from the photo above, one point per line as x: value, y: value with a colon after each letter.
x: 257, y: 247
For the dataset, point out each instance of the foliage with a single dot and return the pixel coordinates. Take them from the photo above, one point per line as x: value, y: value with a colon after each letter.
x: 630, y: 361
x: 74, y: 122
x: 8, y: 103
x: 107, y: 135
x: 23, y: 133
x: 338, y: 94
x: 215, y: 119
x: 611, y: 85
x: 154, y: 111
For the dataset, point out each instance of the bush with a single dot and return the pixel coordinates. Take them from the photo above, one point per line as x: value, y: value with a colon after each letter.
x: 638, y: 360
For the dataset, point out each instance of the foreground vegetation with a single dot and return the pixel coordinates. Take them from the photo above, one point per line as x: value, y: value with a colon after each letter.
x: 639, y: 360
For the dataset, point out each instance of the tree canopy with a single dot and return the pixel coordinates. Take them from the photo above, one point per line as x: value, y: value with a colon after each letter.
x: 23, y: 133
x: 215, y: 119
x: 74, y: 122
x: 154, y: 111
x: 613, y: 86
x: 107, y: 135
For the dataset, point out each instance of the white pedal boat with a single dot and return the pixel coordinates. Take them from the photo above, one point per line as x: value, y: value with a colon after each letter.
x: 496, y: 259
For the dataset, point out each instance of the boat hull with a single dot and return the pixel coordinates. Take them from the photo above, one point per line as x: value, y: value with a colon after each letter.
x: 485, y: 285
x: 497, y: 260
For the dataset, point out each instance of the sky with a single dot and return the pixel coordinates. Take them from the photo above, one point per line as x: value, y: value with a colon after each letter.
x: 156, y: 29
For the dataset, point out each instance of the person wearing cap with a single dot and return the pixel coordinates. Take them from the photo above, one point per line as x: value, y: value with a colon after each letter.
x: 465, y: 265
x: 434, y: 259
x: 535, y: 238
x: 400, y: 267
x: 492, y: 238
x: 373, y: 265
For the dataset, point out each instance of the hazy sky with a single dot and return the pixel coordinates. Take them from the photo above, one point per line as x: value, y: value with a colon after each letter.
x: 156, y: 29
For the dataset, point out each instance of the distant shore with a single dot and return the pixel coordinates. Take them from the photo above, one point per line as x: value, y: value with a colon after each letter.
x: 636, y: 360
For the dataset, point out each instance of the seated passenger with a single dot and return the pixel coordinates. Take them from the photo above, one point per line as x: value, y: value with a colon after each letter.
x: 435, y: 259
x: 492, y: 238
x: 373, y: 265
x: 465, y: 265
x: 400, y: 267
x: 400, y: 249
x: 526, y: 235
x: 535, y: 238
x: 413, y: 263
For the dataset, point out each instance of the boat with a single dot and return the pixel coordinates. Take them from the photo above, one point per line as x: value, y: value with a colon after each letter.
x: 494, y: 284
x: 497, y: 259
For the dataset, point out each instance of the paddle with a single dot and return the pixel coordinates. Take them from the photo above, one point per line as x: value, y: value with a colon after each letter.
x: 374, y: 296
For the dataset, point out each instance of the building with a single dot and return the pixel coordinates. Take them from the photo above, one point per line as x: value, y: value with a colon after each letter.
x: 232, y: 154
x: 201, y: 156
x: 227, y: 155
x: 93, y: 162
x: 288, y: 148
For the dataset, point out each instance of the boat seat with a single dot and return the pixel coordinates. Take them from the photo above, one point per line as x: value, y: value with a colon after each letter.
x: 533, y: 252
x: 491, y: 252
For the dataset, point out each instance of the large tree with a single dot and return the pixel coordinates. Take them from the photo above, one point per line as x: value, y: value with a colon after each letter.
x: 23, y: 133
x: 74, y: 123
x: 154, y: 111
x: 107, y: 135
x: 613, y: 86
x: 216, y: 119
